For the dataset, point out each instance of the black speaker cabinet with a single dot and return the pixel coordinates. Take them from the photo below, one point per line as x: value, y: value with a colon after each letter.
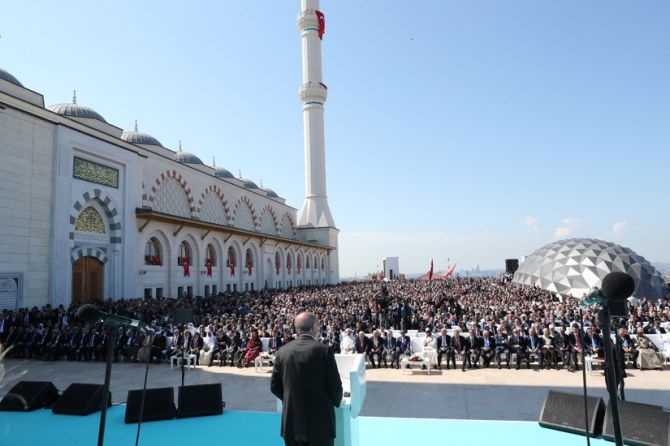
x: 200, y: 400
x: 641, y: 424
x: 511, y: 265
x: 158, y: 405
x: 29, y: 395
x: 565, y: 412
x: 81, y: 399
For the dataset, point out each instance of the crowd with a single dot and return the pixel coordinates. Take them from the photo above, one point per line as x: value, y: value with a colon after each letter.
x: 488, y: 318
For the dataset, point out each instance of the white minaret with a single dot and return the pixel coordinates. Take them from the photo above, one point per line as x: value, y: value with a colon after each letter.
x: 313, y: 93
x: 316, y: 222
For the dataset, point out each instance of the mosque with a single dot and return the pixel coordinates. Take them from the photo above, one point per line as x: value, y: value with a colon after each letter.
x: 91, y: 212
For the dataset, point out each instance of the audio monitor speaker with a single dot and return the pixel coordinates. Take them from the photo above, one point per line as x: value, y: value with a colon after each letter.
x: 200, y: 400
x: 81, y: 399
x: 158, y: 405
x: 641, y: 424
x: 565, y: 412
x: 511, y: 265
x: 29, y: 395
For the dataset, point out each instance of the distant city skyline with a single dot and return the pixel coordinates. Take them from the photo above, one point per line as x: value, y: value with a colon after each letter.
x: 469, y: 131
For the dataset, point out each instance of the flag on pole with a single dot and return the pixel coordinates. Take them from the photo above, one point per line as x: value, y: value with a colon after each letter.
x: 322, y: 23
x: 430, y: 273
x: 450, y: 271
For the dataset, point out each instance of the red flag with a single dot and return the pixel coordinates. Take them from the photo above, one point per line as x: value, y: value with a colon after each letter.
x: 184, y: 263
x: 322, y: 23
x: 232, y: 268
x: 208, y: 264
x: 249, y: 268
x: 450, y: 271
x: 430, y: 273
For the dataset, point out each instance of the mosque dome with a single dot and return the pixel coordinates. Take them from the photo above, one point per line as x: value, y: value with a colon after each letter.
x: 186, y: 157
x: 575, y: 266
x: 270, y: 193
x: 222, y: 172
x: 137, y: 137
x: 6, y: 75
x: 75, y: 110
x: 249, y: 184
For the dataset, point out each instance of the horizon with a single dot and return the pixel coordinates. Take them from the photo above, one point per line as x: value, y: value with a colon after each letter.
x: 477, y: 132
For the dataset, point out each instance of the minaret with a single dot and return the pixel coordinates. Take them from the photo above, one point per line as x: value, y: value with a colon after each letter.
x: 313, y: 93
x: 316, y: 223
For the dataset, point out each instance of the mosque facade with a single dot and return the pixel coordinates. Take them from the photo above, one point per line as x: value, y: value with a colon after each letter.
x: 91, y: 212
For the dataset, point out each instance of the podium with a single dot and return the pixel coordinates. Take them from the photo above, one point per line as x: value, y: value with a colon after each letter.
x: 352, y: 374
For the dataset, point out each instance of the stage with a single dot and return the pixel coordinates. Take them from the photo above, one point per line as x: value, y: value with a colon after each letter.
x: 262, y: 429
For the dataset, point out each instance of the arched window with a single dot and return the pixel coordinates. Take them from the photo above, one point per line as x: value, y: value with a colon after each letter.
x: 307, y: 262
x: 288, y: 263
x: 277, y: 262
x: 249, y: 261
x: 184, y: 254
x: 298, y: 263
x: 210, y: 255
x: 323, y: 263
x: 231, y: 258
x: 152, y: 252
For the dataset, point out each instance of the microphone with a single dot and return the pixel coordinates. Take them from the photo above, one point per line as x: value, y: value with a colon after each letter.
x: 618, y: 286
x: 594, y: 297
x: 88, y: 313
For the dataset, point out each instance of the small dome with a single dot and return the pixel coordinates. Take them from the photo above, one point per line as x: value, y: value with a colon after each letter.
x: 137, y: 137
x: 6, y: 75
x: 221, y: 172
x: 187, y: 158
x: 270, y: 193
x: 249, y: 184
x: 75, y: 110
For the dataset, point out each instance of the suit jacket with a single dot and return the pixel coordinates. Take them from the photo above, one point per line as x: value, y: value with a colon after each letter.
x: 440, y: 345
x: 463, y: 344
x: 364, y: 345
x: 306, y: 379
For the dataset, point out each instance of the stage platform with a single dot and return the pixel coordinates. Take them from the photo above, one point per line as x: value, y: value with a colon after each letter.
x: 262, y: 429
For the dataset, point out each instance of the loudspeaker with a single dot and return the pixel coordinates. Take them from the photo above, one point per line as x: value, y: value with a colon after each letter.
x: 29, y: 395
x: 641, y: 424
x: 158, y: 405
x: 511, y: 265
x: 81, y: 399
x: 200, y: 400
x: 565, y: 412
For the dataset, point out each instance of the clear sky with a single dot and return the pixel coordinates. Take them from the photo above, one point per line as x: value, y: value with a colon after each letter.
x: 470, y: 130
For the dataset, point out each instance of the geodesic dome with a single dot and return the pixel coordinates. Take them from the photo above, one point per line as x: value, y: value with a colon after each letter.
x: 575, y: 266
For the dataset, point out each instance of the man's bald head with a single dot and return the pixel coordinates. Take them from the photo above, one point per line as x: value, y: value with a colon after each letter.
x: 305, y: 322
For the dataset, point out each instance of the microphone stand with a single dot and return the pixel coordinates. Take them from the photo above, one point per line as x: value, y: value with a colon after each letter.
x: 610, y: 375
x: 111, y: 341
x: 586, y: 404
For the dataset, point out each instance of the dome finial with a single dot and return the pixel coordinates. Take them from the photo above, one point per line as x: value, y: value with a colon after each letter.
x: 180, y: 145
x: 136, y: 125
x: 74, y: 96
x: 213, y: 161
x: 239, y: 171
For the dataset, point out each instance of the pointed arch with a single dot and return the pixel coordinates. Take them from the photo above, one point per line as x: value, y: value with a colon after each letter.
x: 213, y: 206
x: 269, y: 223
x: 287, y: 226
x: 78, y: 253
x: 244, y: 216
x: 171, y: 194
x: 109, y: 208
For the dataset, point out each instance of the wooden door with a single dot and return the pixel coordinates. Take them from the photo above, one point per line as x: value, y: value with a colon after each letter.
x: 87, y: 280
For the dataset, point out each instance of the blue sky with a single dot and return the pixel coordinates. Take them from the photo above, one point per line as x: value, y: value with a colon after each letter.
x: 472, y: 130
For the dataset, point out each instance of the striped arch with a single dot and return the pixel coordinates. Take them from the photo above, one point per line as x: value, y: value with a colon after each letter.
x: 213, y: 188
x: 244, y: 200
x: 78, y: 253
x: 111, y: 213
x: 180, y: 179
x: 287, y: 226
x: 269, y: 210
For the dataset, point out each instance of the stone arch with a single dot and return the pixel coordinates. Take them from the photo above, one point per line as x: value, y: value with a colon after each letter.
x: 269, y: 225
x: 287, y: 226
x: 110, y: 209
x: 245, y: 201
x: 98, y: 253
x: 202, y: 210
x: 171, y: 175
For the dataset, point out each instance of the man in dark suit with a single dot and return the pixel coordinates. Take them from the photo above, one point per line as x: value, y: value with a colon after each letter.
x: 443, y: 348
x: 459, y: 346
x: 389, y: 350
x: 306, y: 380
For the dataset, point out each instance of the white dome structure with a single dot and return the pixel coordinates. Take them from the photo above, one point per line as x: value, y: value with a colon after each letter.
x: 575, y: 266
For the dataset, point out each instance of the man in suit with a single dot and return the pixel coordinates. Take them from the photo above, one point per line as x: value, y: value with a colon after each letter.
x: 475, y: 344
x: 459, y: 346
x: 389, y: 349
x: 502, y: 346
x: 306, y: 380
x: 517, y: 346
x: 576, y: 341
x: 443, y: 347
x: 593, y: 343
